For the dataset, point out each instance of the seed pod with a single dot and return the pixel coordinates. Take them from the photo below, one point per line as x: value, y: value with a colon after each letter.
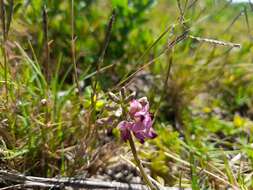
x: 113, y: 97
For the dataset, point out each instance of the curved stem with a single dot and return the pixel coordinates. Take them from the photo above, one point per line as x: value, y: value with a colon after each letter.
x: 139, y: 165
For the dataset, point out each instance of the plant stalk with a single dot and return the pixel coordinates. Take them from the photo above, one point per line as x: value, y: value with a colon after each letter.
x: 3, y: 20
x: 139, y: 165
x: 73, y: 48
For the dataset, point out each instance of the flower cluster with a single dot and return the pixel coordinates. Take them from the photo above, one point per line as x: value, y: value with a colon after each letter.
x: 139, y: 123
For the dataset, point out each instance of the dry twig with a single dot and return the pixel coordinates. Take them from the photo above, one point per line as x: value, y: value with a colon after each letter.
x: 30, y: 181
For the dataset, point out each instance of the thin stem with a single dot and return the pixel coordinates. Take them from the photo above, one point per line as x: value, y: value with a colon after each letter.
x: 46, y: 45
x: 5, y: 71
x: 139, y: 165
x: 47, y: 60
x: 101, y: 55
x: 73, y: 49
x: 3, y: 20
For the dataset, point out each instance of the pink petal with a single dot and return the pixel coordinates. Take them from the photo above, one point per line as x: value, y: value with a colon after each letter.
x: 140, y: 137
x: 145, y: 104
x: 138, y: 126
x: 152, y: 134
x: 124, y: 128
x: 147, y: 121
x: 135, y: 106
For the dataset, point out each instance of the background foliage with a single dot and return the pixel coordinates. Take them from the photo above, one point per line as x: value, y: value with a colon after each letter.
x: 202, y: 107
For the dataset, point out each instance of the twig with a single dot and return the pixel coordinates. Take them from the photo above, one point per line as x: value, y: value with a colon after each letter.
x: 12, y: 187
x: 30, y: 181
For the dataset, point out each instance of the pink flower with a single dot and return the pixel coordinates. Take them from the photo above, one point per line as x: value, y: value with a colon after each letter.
x: 141, y: 122
x: 139, y: 107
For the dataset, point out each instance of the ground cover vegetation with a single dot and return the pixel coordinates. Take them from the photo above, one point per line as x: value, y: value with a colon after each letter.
x: 93, y: 88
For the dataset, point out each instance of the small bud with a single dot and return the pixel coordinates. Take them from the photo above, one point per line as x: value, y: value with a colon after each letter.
x: 113, y: 97
x: 43, y: 102
x: 123, y: 92
x: 130, y: 97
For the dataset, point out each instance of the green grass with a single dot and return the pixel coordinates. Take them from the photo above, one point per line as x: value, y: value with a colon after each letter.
x: 200, y: 92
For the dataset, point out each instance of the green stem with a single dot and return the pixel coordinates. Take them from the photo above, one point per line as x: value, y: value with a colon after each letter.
x: 73, y: 48
x: 139, y: 165
x: 3, y: 20
x: 5, y: 71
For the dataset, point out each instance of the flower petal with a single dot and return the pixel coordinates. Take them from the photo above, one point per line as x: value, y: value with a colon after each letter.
x: 147, y: 121
x: 152, y: 134
x: 140, y: 136
x: 135, y: 106
x: 137, y: 127
x: 124, y: 128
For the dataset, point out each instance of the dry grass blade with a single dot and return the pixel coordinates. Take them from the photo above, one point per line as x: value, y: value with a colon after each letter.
x: 175, y: 41
x: 182, y: 10
x: 215, y: 42
x: 233, y: 21
x: 192, y: 4
x: 164, y: 87
x: 176, y: 158
x: 123, y: 81
x: 247, y: 19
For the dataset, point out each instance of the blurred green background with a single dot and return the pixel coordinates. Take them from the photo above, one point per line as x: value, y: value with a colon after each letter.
x: 203, y: 109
